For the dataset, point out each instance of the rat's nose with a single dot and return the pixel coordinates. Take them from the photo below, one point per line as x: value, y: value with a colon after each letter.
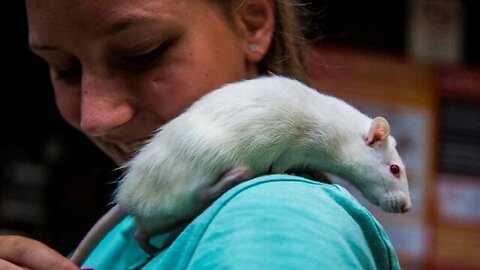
x: 405, y: 207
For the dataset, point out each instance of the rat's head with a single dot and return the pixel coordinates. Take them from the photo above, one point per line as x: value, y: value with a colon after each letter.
x: 381, y: 175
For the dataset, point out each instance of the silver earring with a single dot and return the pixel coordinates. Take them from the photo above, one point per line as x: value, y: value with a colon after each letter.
x: 253, y: 47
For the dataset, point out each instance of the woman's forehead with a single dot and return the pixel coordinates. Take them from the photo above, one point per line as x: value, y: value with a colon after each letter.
x: 107, y: 10
x: 52, y: 18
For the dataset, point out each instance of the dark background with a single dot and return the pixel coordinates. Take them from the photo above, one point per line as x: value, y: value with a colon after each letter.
x: 76, y: 179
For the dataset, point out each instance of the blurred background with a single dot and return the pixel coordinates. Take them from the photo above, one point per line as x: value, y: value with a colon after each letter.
x: 415, y: 62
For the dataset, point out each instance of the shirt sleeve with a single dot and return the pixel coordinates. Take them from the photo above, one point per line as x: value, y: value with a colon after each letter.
x: 291, y: 223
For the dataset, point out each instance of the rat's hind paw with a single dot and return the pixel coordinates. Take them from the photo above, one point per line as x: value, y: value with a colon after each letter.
x: 143, y: 240
x: 230, y: 179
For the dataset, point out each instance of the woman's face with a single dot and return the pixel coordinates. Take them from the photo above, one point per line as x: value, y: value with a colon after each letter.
x: 122, y: 68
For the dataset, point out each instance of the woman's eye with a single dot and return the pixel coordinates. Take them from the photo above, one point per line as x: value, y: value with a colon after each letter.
x: 142, y: 58
x: 70, y: 73
x: 149, y: 56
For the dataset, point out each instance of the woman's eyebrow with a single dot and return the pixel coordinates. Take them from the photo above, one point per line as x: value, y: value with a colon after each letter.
x: 38, y: 47
x: 119, y: 26
x: 116, y: 27
x: 128, y: 22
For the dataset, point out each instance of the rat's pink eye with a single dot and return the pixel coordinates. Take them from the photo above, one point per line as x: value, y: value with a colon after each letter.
x: 395, y: 170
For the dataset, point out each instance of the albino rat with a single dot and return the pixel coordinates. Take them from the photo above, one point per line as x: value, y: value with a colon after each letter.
x: 269, y: 125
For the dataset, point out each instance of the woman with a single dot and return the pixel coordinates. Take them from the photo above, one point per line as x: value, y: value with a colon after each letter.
x: 122, y: 68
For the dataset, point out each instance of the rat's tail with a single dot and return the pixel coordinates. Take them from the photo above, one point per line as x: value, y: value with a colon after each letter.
x: 96, y: 233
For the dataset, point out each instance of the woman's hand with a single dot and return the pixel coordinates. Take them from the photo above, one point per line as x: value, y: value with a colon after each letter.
x: 17, y: 252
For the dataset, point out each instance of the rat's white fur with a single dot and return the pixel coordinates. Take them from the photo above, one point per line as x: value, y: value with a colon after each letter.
x: 270, y: 123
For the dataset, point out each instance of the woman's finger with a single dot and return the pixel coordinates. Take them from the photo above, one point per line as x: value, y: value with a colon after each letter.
x: 4, y: 265
x: 31, y: 254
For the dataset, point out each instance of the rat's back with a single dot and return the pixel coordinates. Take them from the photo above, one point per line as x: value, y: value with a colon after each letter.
x: 259, y: 123
x: 274, y: 105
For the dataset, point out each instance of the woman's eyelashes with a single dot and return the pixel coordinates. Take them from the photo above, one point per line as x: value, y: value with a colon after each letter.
x: 71, y: 74
x: 147, y: 58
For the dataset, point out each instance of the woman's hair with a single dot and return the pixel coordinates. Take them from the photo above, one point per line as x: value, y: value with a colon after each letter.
x: 285, y: 55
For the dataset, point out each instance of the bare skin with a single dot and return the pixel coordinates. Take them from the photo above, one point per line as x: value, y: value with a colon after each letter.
x: 18, y: 252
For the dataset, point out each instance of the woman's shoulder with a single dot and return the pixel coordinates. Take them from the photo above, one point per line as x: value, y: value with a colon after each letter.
x: 277, y: 186
x: 282, y: 222
x: 282, y: 202
x: 271, y: 222
x: 289, y: 194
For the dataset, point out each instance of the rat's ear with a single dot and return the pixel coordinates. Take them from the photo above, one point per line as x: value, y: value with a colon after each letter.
x: 379, y: 131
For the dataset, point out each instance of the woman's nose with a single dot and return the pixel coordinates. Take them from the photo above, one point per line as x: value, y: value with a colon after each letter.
x: 104, y: 104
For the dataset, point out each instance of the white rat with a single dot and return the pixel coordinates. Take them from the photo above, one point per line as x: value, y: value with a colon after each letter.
x: 270, y: 125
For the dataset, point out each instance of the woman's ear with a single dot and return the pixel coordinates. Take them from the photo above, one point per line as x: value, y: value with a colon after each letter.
x: 256, y: 20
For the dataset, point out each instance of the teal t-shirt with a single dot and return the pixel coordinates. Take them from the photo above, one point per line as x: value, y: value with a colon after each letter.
x: 271, y: 222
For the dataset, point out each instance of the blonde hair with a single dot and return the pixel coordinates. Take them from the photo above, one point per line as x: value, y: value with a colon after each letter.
x: 285, y: 55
